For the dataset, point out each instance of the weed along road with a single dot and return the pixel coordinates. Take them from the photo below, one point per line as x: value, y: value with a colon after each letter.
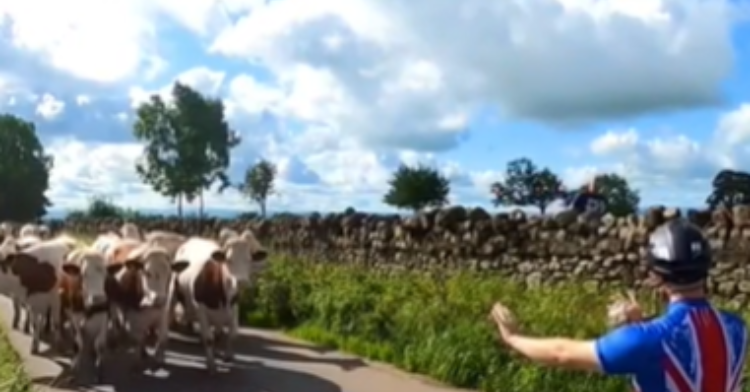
x: 266, y: 362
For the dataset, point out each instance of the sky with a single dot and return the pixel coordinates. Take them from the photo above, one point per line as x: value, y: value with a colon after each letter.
x: 338, y: 93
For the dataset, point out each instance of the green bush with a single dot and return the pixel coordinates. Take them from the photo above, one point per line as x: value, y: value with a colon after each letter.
x: 429, y: 324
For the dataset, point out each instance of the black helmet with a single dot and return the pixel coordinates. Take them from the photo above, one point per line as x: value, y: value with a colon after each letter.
x: 679, y: 252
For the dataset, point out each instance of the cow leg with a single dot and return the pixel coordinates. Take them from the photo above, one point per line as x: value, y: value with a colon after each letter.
x: 28, y: 320
x: 234, y: 325
x: 54, y: 322
x: 162, y: 330
x: 100, y: 347
x: 38, y: 327
x: 16, y: 312
x: 138, y: 323
x: 185, y: 325
x: 80, y: 347
x: 118, y: 329
x: 207, y: 338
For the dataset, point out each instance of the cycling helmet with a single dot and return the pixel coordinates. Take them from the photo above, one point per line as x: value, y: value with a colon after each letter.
x: 679, y: 252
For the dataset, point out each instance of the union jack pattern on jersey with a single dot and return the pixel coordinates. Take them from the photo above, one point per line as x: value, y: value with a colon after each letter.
x: 705, y: 352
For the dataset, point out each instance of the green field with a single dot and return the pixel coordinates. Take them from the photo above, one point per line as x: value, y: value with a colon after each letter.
x: 429, y: 324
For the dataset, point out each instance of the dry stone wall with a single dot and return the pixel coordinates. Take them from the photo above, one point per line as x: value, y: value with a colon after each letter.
x: 536, y: 250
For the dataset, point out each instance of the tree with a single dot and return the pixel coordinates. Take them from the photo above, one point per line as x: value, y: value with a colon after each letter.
x: 102, y: 207
x: 259, y: 183
x: 24, y: 171
x: 730, y: 188
x: 188, y: 144
x: 416, y: 188
x: 526, y: 185
x: 621, y: 198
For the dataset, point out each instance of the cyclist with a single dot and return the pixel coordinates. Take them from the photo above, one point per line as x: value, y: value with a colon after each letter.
x: 692, y: 347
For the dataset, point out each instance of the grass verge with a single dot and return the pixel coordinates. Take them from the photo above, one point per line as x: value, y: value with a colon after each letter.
x: 428, y: 324
x: 13, y: 377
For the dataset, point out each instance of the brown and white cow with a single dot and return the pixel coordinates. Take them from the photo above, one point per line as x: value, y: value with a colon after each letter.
x: 30, y: 275
x: 85, y: 305
x: 209, y: 280
x: 138, y: 283
x: 10, y: 283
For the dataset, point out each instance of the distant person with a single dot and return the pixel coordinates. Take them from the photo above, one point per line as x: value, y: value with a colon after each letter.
x: 692, y: 347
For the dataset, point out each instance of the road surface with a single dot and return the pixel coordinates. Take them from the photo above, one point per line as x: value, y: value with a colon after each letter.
x: 266, y: 362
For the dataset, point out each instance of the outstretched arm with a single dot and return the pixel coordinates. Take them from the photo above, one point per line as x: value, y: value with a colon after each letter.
x: 620, y: 351
x: 560, y: 352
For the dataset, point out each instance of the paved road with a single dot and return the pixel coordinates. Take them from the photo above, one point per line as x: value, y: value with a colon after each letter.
x: 266, y: 362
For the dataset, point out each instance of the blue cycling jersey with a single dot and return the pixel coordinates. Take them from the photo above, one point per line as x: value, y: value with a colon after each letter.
x: 692, y: 348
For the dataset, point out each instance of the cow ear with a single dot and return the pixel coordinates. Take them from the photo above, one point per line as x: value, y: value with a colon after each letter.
x: 259, y: 255
x: 180, y: 265
x: 71, y: 269
x: 219, y: 255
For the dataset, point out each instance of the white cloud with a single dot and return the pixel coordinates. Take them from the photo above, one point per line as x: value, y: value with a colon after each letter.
x: 83, y: 100
x: 89, y: 39
x: 200, y: 78
x: 323, y: 182
x: 409, y: 75
x: 673, y: 163
x: 108, y: 170
x: 339, y: 92
x: 49, y: 107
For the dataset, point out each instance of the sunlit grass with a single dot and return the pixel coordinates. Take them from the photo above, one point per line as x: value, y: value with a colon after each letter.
x: 13, y: 377
x: 436, y: 327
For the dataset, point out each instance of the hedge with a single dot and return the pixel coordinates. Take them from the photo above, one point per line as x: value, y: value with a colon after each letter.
x: 429, y: 324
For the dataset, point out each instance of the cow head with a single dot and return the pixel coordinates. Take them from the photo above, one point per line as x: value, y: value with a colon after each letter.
x: 91, y: 268
x: 29, y: 229
x: 258, y: 253
x: 238, y: 260
x: 155, y: 274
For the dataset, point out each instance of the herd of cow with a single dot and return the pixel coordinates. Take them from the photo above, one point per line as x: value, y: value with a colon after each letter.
x: 122, y: 291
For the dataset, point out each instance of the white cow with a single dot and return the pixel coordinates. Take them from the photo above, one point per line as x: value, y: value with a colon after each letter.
x: 208, y: 283
x: 85, y: 306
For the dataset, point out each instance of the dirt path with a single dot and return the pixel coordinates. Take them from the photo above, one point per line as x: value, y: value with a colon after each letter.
x: 266, y: 362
